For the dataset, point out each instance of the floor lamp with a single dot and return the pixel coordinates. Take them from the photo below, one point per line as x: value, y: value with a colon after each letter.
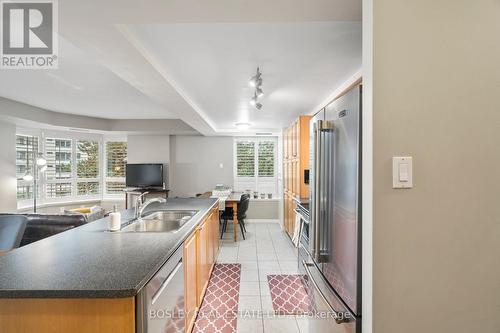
x: 39, y: 166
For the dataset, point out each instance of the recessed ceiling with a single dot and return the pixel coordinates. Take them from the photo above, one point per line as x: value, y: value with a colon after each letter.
x: 191, y: 60
x: 212, y: 63
x: 80, y: 86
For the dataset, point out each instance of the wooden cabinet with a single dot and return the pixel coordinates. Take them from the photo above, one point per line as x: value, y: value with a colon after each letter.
x: 202, y: 257
x: 190, y: 280
x: 295, y: 163
x: 289, y: 215
x: 200, y: 254
x: 76, y: 315
x: 215, y: 234
x: 210, y: 242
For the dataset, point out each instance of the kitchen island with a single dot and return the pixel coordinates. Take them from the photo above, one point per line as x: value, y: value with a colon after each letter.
x: 86, y: 279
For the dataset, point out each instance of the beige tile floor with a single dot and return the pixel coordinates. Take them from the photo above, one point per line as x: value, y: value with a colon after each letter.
x: 266, y: 250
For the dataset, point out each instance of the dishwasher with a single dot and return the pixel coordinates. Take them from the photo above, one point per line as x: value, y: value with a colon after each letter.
x: 160, y: 303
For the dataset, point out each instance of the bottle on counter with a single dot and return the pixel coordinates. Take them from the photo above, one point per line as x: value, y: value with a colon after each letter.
x: 115, y: 219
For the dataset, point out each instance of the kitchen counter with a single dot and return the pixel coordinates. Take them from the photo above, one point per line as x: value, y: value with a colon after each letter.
x: 90, y: 262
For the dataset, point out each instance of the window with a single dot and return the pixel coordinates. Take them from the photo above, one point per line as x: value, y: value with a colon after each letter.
x: 26, y: 150
x: 266, y: 158
x: 245, y: 158
x: 255, y: 164
x: 116, y: 161
x: 87, y: 167
x: 78, y: 166
x: 58, y: 175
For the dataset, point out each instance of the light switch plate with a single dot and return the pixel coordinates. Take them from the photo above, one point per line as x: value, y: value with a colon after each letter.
x: 402, y: 172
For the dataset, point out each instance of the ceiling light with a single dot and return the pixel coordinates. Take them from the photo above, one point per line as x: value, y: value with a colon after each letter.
x: 259, y: 92
x: 242, y: 126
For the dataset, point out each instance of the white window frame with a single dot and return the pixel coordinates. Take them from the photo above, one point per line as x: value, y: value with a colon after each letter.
x: 29, y: 202
x: 100, y: 169
x: 73, y: 180
x: 256, y: 183
x: 74, y: 137
x: 105, y: 167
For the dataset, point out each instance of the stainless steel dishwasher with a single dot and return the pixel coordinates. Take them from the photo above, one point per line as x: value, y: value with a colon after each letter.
x: 160, y: 304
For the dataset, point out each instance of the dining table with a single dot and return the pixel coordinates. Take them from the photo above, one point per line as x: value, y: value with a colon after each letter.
x: 231, y: 201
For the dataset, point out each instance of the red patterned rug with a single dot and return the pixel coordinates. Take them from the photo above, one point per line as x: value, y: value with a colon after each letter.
x: 289, y: 294
x: 218, y: 312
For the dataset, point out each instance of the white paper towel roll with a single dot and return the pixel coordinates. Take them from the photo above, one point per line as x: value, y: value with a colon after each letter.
x: 115, y: 221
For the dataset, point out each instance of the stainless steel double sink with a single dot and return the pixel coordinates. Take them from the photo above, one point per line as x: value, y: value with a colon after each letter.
x: 161, y: 221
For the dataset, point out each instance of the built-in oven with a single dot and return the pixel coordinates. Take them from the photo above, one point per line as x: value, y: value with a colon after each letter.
x: 160, y: 303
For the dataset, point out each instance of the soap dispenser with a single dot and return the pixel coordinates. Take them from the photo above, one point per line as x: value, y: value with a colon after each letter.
x: 115, y: 221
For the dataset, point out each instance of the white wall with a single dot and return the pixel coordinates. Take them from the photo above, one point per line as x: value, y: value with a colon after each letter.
x: 196, y: 161
x: 8, y: 182
x: 148, y: 149
x: 195, y: 168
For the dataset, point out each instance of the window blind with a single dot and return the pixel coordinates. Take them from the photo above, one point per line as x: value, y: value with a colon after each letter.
x: 245, y: 159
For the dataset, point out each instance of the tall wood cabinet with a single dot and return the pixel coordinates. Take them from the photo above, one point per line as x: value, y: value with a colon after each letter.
x: 295, y: 163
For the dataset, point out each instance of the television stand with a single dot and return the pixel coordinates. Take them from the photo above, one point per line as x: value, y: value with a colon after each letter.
x: 138, y: 191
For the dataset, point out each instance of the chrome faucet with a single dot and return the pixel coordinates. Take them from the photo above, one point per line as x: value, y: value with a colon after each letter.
x: 140, y: 207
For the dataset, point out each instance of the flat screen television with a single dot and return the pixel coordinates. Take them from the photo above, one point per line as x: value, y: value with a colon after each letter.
x: 144, y: 175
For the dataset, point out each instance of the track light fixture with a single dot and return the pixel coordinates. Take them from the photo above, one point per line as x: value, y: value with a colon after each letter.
x: 256, y: 82
x: 259, y: 92
x: 253, y: 100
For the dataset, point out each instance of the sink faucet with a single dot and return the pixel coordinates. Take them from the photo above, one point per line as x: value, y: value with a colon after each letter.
x: 140, y: 207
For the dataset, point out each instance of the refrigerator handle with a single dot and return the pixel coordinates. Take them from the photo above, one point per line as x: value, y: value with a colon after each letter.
x: 322, y: 184
x: 316, y: 204
x: 338, y: 319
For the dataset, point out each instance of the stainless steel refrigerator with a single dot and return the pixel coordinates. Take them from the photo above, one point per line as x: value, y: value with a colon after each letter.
x: 332, y: 257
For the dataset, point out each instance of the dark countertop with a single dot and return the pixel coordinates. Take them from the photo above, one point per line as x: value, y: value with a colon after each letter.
x: 90, y: 262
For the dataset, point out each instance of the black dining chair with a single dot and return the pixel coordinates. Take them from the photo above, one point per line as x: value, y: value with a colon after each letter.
x: 11, y: 231
x: 241, y: 215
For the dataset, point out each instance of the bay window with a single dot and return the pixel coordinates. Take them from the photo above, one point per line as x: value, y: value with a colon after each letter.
x: 79, y: 166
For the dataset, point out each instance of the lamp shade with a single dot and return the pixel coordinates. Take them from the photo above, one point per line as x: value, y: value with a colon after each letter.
x: 41, y: 161
x: 28, y: 177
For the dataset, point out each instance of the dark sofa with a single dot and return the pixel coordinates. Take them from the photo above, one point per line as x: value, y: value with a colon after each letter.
x: 40, y: 226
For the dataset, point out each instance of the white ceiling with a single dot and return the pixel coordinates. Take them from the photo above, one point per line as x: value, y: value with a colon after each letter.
x: 212, y: 63
x: 80, y: 86
x: 192, y: 59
